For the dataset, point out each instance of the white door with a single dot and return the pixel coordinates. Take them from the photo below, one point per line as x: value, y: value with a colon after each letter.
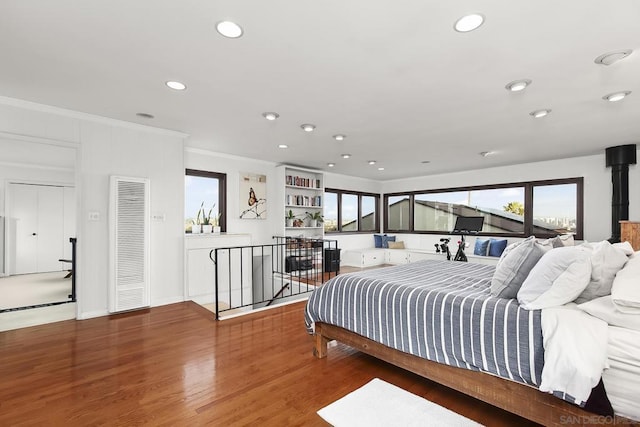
x: 50, y: 228
x: 38, y: 214
x: 24, y: 216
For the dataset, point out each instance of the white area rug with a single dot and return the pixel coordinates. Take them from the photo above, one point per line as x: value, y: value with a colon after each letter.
x: 379, y: 403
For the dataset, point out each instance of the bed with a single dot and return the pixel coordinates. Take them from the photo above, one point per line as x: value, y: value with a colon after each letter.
x: 438, y: 319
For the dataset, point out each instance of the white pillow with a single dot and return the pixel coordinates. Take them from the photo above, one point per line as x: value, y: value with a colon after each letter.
x: 606, y: 261
x: 558, y: 278
x: 624, y: 247
x: 604, y: 308
x: 625, y: 291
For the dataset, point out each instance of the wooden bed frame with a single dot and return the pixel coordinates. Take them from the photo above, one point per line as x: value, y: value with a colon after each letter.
x: 520, y: 399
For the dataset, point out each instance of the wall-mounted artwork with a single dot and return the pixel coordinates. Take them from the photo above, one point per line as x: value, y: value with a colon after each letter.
x: 253, y: 196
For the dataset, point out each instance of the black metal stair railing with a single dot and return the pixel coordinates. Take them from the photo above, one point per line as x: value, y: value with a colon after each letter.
x: 252, y: 277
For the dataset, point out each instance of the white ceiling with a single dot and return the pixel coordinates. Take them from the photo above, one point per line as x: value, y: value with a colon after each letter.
x: 392, y: 75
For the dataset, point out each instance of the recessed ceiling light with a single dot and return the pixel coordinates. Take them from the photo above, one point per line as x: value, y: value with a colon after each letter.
x: 283, y: 146
x: 308, y: 127
x: 468, y: 23
x: 518, y: 85
x: 339, y: 137
x: 616, y: 96
x: 270, y: 115
x: 380, y: 169
x: 346, y: 156
x: 229, y: 29
x: 331, y: 164
x: 176, y: 85
x: 611, y: 57
x: 540, y: 113
x: 486, y: 153
x: 145, y: 115
x: 372, y: 162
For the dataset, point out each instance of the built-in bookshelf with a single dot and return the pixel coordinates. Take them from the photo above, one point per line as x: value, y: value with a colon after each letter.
x: 302, y: 194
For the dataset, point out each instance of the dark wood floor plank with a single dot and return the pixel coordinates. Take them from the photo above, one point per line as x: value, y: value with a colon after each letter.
x: 175, y: 365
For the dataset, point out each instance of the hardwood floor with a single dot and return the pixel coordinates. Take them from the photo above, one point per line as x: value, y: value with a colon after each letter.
x: 176, y: 366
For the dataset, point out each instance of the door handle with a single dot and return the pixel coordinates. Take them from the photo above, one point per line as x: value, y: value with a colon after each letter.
x: 33, y: 234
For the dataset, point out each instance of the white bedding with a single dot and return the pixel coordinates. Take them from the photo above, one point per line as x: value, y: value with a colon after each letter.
x: 622, y: 378
x: 575, y: 351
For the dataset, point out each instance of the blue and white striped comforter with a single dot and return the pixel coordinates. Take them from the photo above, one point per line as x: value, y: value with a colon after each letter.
x: 438, y: 310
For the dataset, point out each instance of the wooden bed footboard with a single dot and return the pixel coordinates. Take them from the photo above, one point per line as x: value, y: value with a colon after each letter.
x: 516, y: 398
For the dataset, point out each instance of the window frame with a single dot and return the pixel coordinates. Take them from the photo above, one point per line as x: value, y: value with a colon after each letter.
x: 360, y: 194
x: 529, y: 204
x: 222, y: 192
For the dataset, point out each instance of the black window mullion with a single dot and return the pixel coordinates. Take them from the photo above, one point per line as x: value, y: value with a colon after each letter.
x: 528, y: 210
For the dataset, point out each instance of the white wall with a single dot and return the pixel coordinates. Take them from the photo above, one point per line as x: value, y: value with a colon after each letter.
x: 344, y: 182
x: 261, y: 230
x: 105, y: 147
x: 106, y: 150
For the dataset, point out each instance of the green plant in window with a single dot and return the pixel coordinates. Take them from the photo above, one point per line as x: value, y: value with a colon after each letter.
x: 206, y: 217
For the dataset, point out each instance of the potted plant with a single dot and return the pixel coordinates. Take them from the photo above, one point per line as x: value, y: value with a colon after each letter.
x: 289, y: 218
x: 216, y: 223
x: 314, y: 218
x: 207, y: 226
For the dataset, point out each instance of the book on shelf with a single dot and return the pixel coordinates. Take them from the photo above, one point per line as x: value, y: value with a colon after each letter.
x: 299, y: 181
x: 302, y: 200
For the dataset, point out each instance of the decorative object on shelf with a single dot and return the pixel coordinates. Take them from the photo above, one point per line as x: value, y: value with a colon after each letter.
x: 253, y: 190
x: 314, y: 218
x: 298, y: 222
x: 289, y: 218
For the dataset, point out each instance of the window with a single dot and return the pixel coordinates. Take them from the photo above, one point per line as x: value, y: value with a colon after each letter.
x: 502, y: 209
x: 542, y: 208
x: 207, y: 190
x: 350, y: 211
x: 369, y: 213
x: 398, y: 212
x: 555, y: 208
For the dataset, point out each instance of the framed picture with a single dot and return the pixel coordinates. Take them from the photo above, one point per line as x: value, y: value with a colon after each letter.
x: 253, y: 196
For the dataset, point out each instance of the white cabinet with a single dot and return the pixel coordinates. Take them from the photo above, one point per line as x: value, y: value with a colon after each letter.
x: 397, y: 256
x: 301, y: 193
x: 363, y: 257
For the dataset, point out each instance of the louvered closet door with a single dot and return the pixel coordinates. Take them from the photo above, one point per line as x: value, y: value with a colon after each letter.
x: 130, y: 244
